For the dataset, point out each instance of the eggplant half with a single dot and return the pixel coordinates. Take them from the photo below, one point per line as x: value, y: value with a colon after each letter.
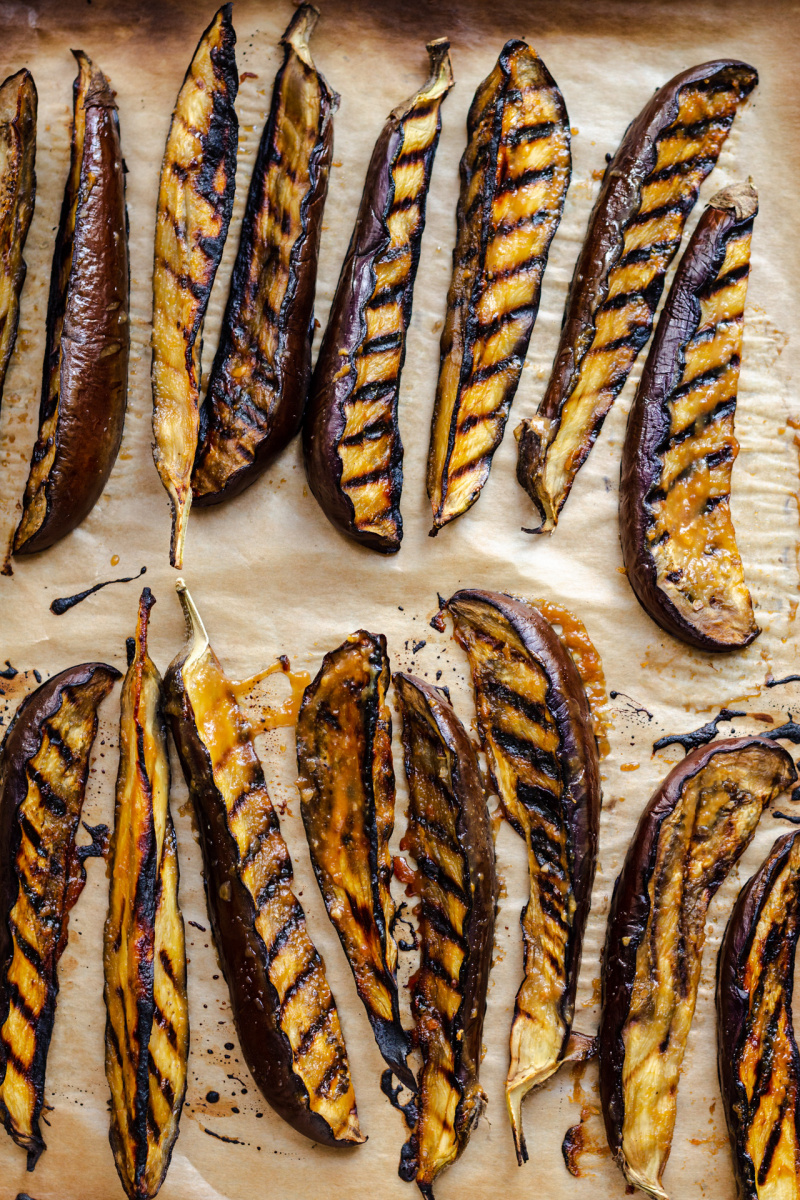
x: 347, y: 795
x: 262, y: 369
x: 759, y: 1063
x: 195, y: 202
x: 18, y: 107
x: 535, y: 726
x: 85, y: 378
x: 284, y: 1012
x: 450, y: 837
x: 351, y: 439
x: 691, y: 834
x: 144, y: 950
x: 44, y: 764
x: 677, y: 535
x: 649, y: 188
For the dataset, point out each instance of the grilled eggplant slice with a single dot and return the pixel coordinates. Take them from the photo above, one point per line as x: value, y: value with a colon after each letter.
x: 351, y: 440
x: 677, y: 536
x: 195, y: 201
x: 344, y: 758
x: 147, y: 1013
x: 695, y: 827
x: 285, y: 1015
x: 18, y: 106
x: 648, y: 190
x: 535, y: 725
x: 514, y: 178
x: 85, y: 378
x: 262, y: 369
x: 759, y: 1064
x: 449, y: 835
x: 44, y: 764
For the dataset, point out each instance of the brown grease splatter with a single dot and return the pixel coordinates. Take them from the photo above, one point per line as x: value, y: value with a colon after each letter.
x: 284, y: 714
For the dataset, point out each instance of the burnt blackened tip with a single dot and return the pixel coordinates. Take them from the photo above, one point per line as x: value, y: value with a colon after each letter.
x: 299, y: 30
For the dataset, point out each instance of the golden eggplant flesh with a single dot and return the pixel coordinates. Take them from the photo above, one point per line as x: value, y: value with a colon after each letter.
x: 144, y: 950
x: 449, y: 835
x: 648, y: 190
x: 285, y: 1015
x: 678, y: 541
x: 195, y: 201
x: 694, y: 829
x: 347, y: 796
x: 514, y: 178
x: 44, y: 764
x: 18, y: 107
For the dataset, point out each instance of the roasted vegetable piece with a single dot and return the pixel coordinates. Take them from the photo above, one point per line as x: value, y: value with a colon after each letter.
x: 692, y: 832
x: 648, y: 190
x: 514, y: 178
x: 85, y: 378
x: 759, y: 1064
x: 195, y: 201
x: 18, y: 105
x: 44, y: 763
x: 536, y: 728
x: 675, y: 520
x: 449, y: 834
x: 144, y: 956
x: 351, y: 440
x: 260, y: 377
x: 344, y: 757
x: 282, y: 1005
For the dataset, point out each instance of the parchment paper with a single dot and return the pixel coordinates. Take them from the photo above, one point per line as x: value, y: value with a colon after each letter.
x: 271, y: 576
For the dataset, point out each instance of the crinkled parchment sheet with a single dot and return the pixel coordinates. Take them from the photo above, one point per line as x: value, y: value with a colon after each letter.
x: 271, y: 576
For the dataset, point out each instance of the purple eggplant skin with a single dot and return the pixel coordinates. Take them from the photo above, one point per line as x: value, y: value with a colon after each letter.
x: 734, y: 1001
x: 730, y: 212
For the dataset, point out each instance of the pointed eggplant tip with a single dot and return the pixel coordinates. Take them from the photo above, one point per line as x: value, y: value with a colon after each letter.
x: 299, y: 31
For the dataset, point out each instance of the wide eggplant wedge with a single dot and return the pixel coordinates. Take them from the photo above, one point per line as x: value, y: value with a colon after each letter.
x: 649, y: 188
x: 87, y: 341
x: 347, y: 796
x: 44, y: 764
x: 144, y: 950
x: 691, y: 834
x: 449, y: 836
x: 261, y: 372
x: 351, y: 438
x: 676, y: 531
x: 18, y: 108
x: 195, y: 201
x: 535, y: 726
x: 514, y: 178
x: 758, y: 1059
x: 285, y: 1015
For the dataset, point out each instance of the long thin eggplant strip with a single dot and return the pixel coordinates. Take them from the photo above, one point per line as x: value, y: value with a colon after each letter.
x: 195, y: 201
x: 677, y: 535
x: 262, y: 369
x: 535, y: 725
x: 693, y: 831
x: 347, y: 794
x: 44, y: 764
x: 351, y: 437
x: 759, y: 1063
x: 449, y: 835
x: 18, y: 107
x: 285, y: 1015
x: 648, y: 190
x: 144, y: 955
x: 514, y: 178
x: 85, y: 378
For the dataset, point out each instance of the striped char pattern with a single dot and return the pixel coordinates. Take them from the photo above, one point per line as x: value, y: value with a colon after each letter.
x: 195, y: 202
x: 514, y: 178
x: 347, y: 792
x: 261, y: 370
x: 18, y: 110
x: 648, y: 191
x: 49, y: 874
x: 147, y: 1015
